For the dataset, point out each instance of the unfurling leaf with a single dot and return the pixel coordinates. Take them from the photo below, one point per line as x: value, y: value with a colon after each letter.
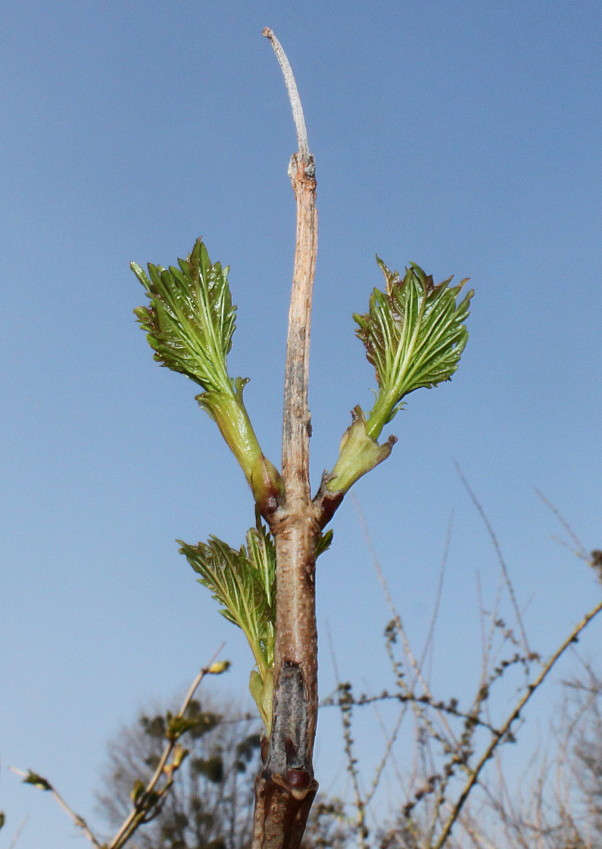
x: 261, y: 687
x: 191, y: 319
x: 189, y: 324
x: 243, y: 582
x: 414, y: 335
x: 358, y: 454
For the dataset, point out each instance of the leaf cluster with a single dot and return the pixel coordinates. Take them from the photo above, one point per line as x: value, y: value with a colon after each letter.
x: 414, y: 335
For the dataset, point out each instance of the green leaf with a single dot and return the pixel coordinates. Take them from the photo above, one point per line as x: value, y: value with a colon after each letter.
x: 190, y: 319
x: 189, y: 324
x: 324, y: 542
x: 262, y: 558
x: 243, y: 582
x: 414, y: 335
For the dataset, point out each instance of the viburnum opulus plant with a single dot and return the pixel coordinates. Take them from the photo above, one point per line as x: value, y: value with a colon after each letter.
x: 414, y: 335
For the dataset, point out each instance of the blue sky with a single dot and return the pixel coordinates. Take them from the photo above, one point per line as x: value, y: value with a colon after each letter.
x: 463, y: 136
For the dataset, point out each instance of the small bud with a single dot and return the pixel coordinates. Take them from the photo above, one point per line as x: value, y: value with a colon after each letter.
x: 219, y: 667
x: 137, y: 790
x: 179, y: 756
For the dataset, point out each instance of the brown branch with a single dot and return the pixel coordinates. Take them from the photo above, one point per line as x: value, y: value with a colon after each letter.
x: 293, y: 94
x: 285, y: 787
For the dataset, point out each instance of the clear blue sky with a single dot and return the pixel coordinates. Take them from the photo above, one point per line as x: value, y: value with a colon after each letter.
x: 464, y: 136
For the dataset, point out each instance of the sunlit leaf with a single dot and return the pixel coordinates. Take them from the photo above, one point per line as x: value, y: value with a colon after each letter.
x: 243, y: 582
x: 190, y: 319
x: 414, y: 335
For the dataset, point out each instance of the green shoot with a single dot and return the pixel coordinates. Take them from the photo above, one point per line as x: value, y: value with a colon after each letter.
x: 414, y: 335
x: 189, y: 324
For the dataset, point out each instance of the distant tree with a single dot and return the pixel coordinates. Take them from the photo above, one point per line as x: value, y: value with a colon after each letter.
x: 572, y: 819
x: 589, y: 754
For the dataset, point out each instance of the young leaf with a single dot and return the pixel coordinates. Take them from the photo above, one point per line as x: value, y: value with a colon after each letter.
x: 189, y: 324
x: 414, y: 335
x: 244, y: 582
x: 191, y: 319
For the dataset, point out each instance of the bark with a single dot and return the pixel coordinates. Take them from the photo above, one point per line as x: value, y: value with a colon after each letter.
x: 286, y: 787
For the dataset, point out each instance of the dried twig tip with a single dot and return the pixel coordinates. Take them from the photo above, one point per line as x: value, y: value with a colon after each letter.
x: 293, y: 95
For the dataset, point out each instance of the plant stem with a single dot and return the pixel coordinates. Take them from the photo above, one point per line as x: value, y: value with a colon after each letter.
x: 285, y: 788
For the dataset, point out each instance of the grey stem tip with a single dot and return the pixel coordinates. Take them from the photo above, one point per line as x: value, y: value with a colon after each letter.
x: 293, y: 94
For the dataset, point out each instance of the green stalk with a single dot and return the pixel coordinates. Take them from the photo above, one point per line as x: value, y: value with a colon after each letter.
x: 229, y: 413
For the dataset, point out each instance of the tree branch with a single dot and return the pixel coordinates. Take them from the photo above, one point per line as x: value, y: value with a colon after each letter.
x: 44, y: 784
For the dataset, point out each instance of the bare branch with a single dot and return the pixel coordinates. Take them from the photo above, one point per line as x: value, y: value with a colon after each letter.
x: 579, y: 549
x: 515, y: 713
x: 500, y: 557
x: 293, y: 95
